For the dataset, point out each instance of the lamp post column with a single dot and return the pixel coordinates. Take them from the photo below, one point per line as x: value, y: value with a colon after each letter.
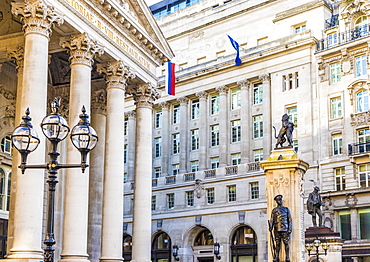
x: 82, y: 50
x: 202, y: 130
x: 27, y: 232
x: 116, y: 75
x: 223, y: 120
x: 144, y: 96
x: 245, y: 121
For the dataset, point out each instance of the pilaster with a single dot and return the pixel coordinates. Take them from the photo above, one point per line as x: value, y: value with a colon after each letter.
x: 202, y: 130
x: 165, y: 137
x: 184, y: 133
x: 245, y: 119
x: 224, y: 126
x: 267, y: 126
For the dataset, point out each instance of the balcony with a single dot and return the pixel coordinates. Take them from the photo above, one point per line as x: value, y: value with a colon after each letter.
x: 154, y: 182
x: 231, y: 170
x: 170, y: 180
x: 210, y: 173
x: 189, y: 177
x: 355, y: 149
x: 254, y: 167
x: 343, y: 38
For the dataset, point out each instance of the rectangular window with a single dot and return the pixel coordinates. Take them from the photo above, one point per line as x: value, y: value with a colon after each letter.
x: 284, y: 83
x: 194, y: 166
x: 189, y: 198
x: 299, y: 28
x: 231, y: 193
x: 337, y: 144
x: 175, y: 169
x: 363, y: 140
x: 292, y: 113
x: 154, y: 202
x: 195, y: 109
x: 336, y: 107
x: 361, y: 67
x: 158, y: 119
x: 364, y: 172
x: 235, y: 159
x: 195, y: 139
x: 255, y: 190
x: 157, y: 172
x: 340, y: 179
x: 257, y: 126
x: 125, y: 154
x: 171, y: 201
x: 125, y: 126
x: 176, y: 143
x: 176, y: 114
x: 335, y: 73
x: 215, y: 105
x: 215, y: 135
x: 235, y: 131
x: 332, y: 39
x: 210, y: 196
x: 364, y: 219
x: 345, y: 225
x: 235, y: 99
x: 290, y: 81
x: 158, y: 146
x: 296, y: 80
x: 362, y: 101
x: 258, y: 155
x: 257, y: 94
x: 215, y: 162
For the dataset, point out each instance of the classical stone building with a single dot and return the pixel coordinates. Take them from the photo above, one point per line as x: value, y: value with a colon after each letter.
x: 306, y: 58
x: 85, y: 53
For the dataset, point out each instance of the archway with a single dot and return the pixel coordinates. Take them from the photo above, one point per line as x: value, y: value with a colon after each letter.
x: 127, y: 247
x: 203, y: 245
x: 161, y: 247
x: 244, y: 245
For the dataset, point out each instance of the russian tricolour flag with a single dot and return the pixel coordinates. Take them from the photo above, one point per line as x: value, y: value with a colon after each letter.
x: 170, y: 78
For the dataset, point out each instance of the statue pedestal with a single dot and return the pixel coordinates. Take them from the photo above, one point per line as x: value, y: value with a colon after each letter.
x: 334, y: 253
x: 284, y: 176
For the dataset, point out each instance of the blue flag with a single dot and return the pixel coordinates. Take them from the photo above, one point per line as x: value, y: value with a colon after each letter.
x: 235, y: 44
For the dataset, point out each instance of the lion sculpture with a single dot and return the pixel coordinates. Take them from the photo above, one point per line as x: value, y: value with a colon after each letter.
x: 285, y: 133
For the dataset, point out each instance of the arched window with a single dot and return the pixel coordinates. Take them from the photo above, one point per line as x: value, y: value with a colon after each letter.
x: 244, y: 245
x: 362, y: 101
x: 6, y: 145
x: 361, y: 25
x: 204, y: 238
x: 161, y: 248
x: 127, y: 247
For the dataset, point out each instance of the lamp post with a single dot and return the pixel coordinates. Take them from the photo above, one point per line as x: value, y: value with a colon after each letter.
x: 317, y: 243
x: 216, y: 250
x: 55, y: 128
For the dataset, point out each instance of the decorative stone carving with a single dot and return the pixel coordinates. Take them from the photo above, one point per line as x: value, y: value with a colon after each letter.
x: 144, y: 94
x: 222, y: 90
x: 37, y: 17
x: 323, y: 70
x: 328, y: 202
x: 198, y: 188
x: 360, y: 119
x: 356, y: 87
x: 244, y: 84
x: 281, y: 181
x: 18, y: 55
x: 183, y: 100
x: 265, y: 78
x: 351, y: 200
x: 82, y: 48
x: 352, y: 9
x: 131, y: 114
x: 165, y: 105
x: 7, y: 94
x: 202, y: 95
x: 99, y: 102
x: 116, y: 74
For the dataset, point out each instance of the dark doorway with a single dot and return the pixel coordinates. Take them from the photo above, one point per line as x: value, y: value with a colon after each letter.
x: 206, y: 259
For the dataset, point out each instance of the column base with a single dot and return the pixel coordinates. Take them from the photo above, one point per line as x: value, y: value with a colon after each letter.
x: 74, y: 259
x: 25, y: 256
x: 22, y: 259
x: 106, y: 259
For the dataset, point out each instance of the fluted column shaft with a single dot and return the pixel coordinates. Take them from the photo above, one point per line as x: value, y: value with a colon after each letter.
x: 112, y: 227
x: 267, y: 126
x: 82, y: 50
x: 224, y: 126
x: 165, y: 137
x: 144, y: 96
x: 245, y: 119
x: 27, y: 234
x: 184, y: 133
x: 202, y: 130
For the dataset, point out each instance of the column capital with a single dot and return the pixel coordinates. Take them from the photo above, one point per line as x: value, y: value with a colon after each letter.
x: 165, y: 105
x: 37, y: 17
x: 116, y: 74
x: 131, y: 114
x: 244, y: 84
x: 99, y: 102
x: 183, y: 100
x: 144, y: 94
x: 82, y: 48
x: 202, y: 95
x: 17, y: 54
x: 222, y: 90
x: 265, y: 78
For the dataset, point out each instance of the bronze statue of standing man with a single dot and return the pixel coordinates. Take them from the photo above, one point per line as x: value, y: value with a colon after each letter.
x: 314, y: 204
x: 280, y: 227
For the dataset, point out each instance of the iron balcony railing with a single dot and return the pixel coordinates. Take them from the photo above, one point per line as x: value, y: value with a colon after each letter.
x: 359, y: 148
x: 343, y: 38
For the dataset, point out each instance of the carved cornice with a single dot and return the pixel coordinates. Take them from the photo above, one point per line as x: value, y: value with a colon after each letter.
x: 116, y: 74
x: 222, y: 90
x: 37, y: 17
x: 244, y: 84
x: 144, y: 94
x: 82, y: 48
x: 265, y: 78
x: 99, y: 102
x: 202, y: 95
x: 183, y: 100
x: 17, y: 55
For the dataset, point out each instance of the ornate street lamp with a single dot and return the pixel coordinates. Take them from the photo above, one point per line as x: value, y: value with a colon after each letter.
x: 216, y: 250
x: 316, y: 244
x: 175, y: 252
x: 55, y: 128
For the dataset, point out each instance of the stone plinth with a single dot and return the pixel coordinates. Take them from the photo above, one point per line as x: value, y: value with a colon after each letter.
x: 284, y: 176
x: 334, y: 253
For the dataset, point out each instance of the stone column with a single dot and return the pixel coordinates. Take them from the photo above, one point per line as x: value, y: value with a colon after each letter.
x: 224, y: 126
x: 166, y: 132
x: 98, y: 120
x: 144, y: 96
x: 245, y: 119
x: 203, y: 142
x: 284, y: 176
x: 117, y: 75
x: 38, y: 19
x: 267, y: 126
x: 82, y: 50
x: 184, y: 133
x: 131, y: 145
